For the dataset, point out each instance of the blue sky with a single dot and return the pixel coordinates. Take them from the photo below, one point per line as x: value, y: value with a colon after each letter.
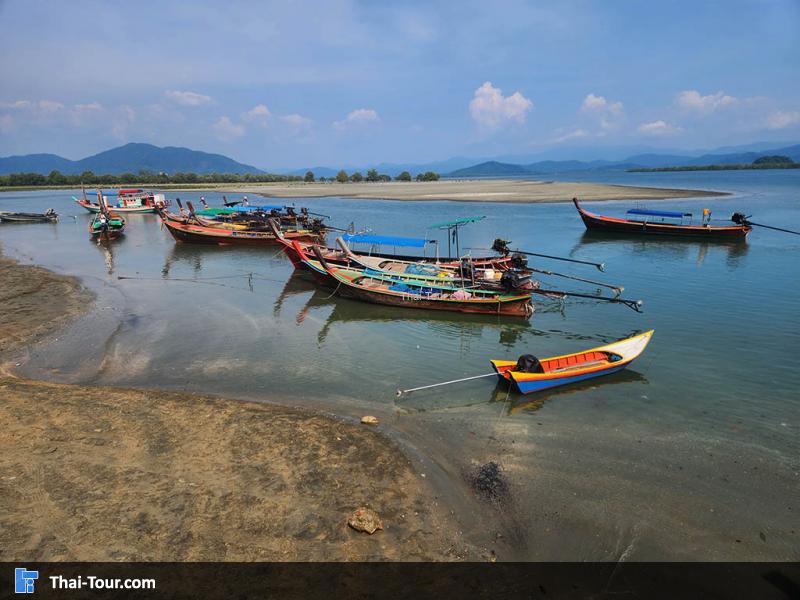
x: 293, y: 84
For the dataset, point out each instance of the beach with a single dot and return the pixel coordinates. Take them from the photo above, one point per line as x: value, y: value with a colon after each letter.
x: 107, y: 474
x: 520, y: 191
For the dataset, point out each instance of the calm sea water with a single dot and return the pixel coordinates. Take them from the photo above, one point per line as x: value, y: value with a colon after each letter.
x: 692, y: 453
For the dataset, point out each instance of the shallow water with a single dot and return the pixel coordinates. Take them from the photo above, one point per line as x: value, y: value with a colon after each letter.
x: 693, y: 448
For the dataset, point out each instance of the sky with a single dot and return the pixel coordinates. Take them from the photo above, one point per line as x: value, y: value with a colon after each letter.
x: 300, y: 84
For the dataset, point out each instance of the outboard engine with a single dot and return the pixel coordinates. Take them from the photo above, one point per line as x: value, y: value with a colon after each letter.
x: 528, y: 363
x: 519, y: 261
x: 739, y: 218
x: 501, y: 246
x: 513, y: 281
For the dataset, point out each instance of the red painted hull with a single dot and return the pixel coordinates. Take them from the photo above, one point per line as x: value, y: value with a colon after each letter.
x: 198, y: 234
x: 595, y: 222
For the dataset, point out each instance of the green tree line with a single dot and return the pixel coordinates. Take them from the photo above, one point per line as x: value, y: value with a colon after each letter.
x: 142, y: 177
x: 89, y: 179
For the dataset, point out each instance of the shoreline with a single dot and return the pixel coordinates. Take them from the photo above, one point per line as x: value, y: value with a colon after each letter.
x: 190, y: 476
x: 512, y: 191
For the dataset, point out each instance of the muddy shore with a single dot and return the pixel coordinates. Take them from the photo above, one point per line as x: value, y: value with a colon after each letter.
x: 95, y: 473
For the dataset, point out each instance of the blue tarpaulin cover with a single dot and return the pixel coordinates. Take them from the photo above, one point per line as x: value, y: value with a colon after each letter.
x: 385, y: 239
x: 658, y: 213
x: 252, y: 207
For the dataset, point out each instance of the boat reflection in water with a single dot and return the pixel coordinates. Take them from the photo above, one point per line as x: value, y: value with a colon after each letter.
x: 107, y: 249
x: 671, y: 248
x: 507, y: 401
x: 194, y: 255
x: 459, y: 327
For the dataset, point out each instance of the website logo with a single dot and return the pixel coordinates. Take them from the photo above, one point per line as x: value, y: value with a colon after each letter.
x: 24, y: 580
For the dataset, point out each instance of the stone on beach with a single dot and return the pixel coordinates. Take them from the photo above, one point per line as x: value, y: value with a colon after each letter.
x: 369, y: 420
x: 365, y: 519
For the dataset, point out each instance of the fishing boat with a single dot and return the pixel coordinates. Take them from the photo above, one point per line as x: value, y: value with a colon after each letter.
x: 20, y: 217
x: 106, y: 226
x: 193, y: 232
x: 378, y: 288
x: 529, y: 374
x: 655, y: 222
x: 127, y: 201
x: 339, y: 257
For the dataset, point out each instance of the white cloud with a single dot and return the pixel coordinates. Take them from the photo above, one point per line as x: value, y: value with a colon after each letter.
x: 599, y: 104
x: 226, y: 130
x: 658, y: 128
x: 571, y: 135
x: 186, y: 98
x: 358, y: 117
x: 297, y: 120
x: 490, y: 109
x: 259, y: 114
x: 692, y: 100
x: 781, y: 119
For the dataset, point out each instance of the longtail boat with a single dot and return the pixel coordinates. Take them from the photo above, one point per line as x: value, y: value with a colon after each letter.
x: 464, y: 274
x: 529, y: 374
x: 642, y: 224
x: 391, y: 291
x: 127, y: 201
x: 107, y: 226
x: 193, y: 232
x: 20, y: 217
x: 338, y: 257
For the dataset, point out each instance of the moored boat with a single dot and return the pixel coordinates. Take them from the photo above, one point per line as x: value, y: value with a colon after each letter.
x: 106, y: 226
x: 126, y: 201
x: 191, y: 231
x: 378, y: 288
x: 644, y: 225
x: 529, y: 374
x: 49, y: 216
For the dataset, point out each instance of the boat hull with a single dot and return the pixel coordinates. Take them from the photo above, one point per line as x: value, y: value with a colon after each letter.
x: 601, y: 223
x: 95, y: 208
x: 195, y: 234
x: 568, y: 369
x: 520, y: 307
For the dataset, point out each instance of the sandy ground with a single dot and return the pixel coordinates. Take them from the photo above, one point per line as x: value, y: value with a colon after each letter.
x: 476, y: 190
x: 94, y: 474
x: 464, y: 190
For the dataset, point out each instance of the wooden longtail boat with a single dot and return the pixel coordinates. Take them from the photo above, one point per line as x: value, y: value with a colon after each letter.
x: 338, y: 257
x: 705, y: 231
x: 196, y: 233
x: 107, y: 226
x: 392, y: 291
x: 19, y: 217
x: 128, y: 201
x: 509, y: 282
x: 529, y: 374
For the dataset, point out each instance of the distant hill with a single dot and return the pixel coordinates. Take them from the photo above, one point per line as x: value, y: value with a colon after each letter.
x: 130, y: 158
x: 639, y: 161
x: 491, y: 168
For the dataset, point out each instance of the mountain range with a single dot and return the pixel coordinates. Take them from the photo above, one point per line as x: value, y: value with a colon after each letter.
x: 494, y: 168
x: 130, y: 158
x: 133, y: 157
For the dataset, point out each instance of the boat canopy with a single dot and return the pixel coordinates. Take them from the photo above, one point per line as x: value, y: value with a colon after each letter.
x: 252, y: 207
x: 387, y: 240
x: 456, y: 223
x: 658, y: 213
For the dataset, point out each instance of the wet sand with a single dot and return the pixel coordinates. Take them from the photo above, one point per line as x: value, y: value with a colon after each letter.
x: 97, y: 473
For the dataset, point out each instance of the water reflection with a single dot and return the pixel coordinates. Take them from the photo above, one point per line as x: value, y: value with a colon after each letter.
x: 674, y: 248
x: 509, y: 401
